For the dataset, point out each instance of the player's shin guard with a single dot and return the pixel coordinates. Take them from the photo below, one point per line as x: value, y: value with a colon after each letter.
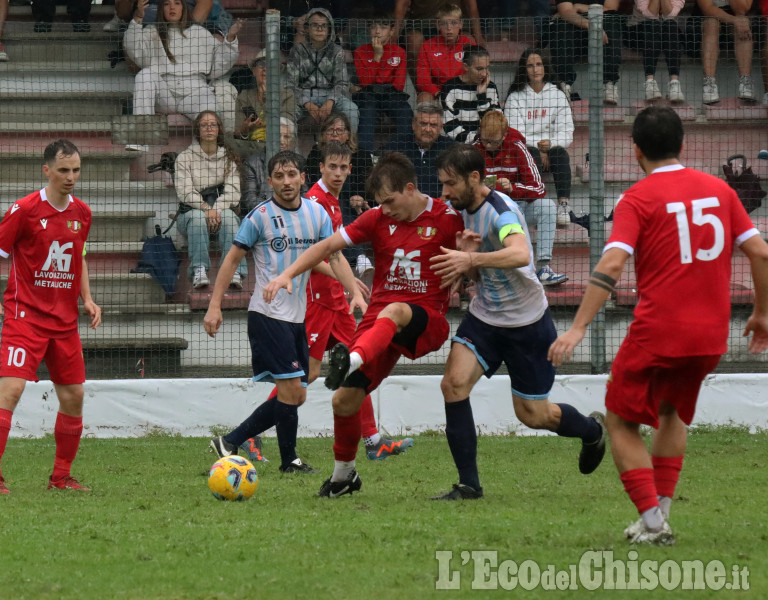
x: 286, y: 425
x: 67, y: 433
x: 462, y: 440
x: 346, y: 436
x: 367, y: 420
x: 639, y: 485
x: 375, y: 340
x: 5, y: 429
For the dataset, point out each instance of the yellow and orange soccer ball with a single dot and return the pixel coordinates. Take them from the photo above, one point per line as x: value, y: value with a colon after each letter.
x: 233, y: 478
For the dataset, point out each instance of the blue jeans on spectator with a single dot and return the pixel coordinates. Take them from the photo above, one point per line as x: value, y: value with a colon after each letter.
x: 193, y: 225
x: 542, y: 213
x: 379, y: 99
x: 342, y: 104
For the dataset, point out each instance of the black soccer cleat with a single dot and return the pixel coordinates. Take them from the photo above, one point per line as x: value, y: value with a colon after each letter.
x: 592, y: 454
x: 298, y: 466
x: 334, y: 489
x: 460, y: 492
x: 338, y: 366
x: 222, y: 447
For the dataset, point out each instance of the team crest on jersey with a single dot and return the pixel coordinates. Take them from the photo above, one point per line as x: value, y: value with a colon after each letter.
x: 74, y: 226
x: 459, y: 56
x: 426, y: 233
x: 393, y: 61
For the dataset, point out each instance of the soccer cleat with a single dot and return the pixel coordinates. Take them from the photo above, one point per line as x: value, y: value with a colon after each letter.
x: 746, y: 89
x: 252, y: 449
x: 652, y: 91
x: 388, y: 447
x: 222, y: 447
x: 634, y: 529
x: 338, y: 366
x: 200, y: 278
x: 460, y: 492
x: 237, y: 281
x: 562, y: 215
x: 592, y: 454
x: 675, y: 92
x: 662, y: 537
x: 297, y: 466
x: 548, y: 277
x: 66, y: 483
x: 710, y: 93
x: 3, y: 488
x: 334, y: 489
x: 610, y: 93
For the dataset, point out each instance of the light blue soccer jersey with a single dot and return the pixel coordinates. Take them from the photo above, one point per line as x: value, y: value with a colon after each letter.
x: 504, y: 297
x: 277, y: 236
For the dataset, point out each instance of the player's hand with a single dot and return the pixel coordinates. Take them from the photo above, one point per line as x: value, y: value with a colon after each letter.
x: 273, y: 287
x: 562, y: 348
x: 212, y: 321
x: 358, y: 204
x: 758, y: 326
x: 450, y: 264
x: 364, y: 290
x: 357, y: 302
x: 468, y: 241
x: 93, y: 311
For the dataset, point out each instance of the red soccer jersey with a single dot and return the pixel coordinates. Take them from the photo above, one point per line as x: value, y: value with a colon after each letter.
x: 682, y: 225
x: 439, y: 62
x: 401, y: 253
x: 322, y: 289
x: 46, y: 250
x: 389, y: 70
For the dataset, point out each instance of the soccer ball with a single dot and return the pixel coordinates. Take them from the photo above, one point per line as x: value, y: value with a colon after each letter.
x: 233, y: 478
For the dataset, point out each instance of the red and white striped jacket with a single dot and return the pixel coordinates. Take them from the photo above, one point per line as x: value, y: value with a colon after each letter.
x: 514, y: 162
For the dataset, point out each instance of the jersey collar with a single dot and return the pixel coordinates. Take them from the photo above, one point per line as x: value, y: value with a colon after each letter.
x: 44, y: 198
x: 668, y: 168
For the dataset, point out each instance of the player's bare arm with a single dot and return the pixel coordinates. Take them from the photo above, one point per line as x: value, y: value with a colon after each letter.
x: 91, y: 308
x: 757, y: 251
x: 213, y: 318
x: 601, y: 283
x: 343, y: 272
x: 314, y: 254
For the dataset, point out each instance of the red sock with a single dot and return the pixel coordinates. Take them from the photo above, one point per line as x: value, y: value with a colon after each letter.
x: 346, y: 436
x: 638, y: 483
x: 66, y: 432
x: 375, y: 340
x: 666, y: 472
x: 5, y: 429
x: 367, y: 420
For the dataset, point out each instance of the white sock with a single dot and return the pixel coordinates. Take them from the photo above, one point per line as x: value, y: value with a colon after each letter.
x: 355, y: 362
x: 373, y: 440
x: 342, y: 470
x: 665, y: 503
x: 653, y: 518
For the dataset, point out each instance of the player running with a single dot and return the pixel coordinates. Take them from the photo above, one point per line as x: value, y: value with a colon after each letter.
x: 681, y: 226
x: 407, y: 311
x: 44, y: 234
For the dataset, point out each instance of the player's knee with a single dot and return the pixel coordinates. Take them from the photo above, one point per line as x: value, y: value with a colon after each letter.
x: 533, y: 414
x: 346, y: 403
x: 453, y: 388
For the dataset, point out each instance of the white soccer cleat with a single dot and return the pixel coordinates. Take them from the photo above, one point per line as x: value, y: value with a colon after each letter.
x: 634, y: 529
x: 662, y: 537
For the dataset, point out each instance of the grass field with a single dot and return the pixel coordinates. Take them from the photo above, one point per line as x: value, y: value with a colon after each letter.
x: 151, y: 529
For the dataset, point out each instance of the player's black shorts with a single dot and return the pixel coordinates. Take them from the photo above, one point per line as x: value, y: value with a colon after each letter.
x: 279, y: 349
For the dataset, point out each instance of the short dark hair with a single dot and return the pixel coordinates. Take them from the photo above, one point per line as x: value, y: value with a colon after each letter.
x: 284, y: 158
x: 393, y: 171
x: 658, y: 132
x: 62, y: 145
x: 461, y: 160
x: 334, y: 149
x: 382, y: 17
x: 471, y: 52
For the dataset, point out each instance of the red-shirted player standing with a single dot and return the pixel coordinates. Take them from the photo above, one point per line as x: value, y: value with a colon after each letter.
x: 406, y: 315
x: 681, y: 225
x: 44, y: 235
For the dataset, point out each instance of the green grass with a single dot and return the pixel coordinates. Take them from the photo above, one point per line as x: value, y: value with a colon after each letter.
x: 151, y: 529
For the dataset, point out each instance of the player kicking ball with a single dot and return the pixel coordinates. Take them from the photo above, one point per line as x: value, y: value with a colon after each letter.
x: 508, y: 322
x: 681, y: 226
x: 44, y: 233
x: 406, y: 316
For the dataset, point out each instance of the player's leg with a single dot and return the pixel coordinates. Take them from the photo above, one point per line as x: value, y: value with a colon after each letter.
x: 11, y: 389
x: 667, y: 452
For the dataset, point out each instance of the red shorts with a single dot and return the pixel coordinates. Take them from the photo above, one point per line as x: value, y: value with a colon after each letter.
x: 22, y: 349
x: 432, y: 338
x: 640, y: 381
x: 326, y: 327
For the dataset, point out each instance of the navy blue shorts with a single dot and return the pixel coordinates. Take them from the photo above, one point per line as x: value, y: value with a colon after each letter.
x: 279, y: 349
x: 522, y: 349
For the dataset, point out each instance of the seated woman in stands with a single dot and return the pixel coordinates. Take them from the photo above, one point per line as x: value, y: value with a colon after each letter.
x: 540, y: 111
x: 180, y: 63
x: 208, y: 188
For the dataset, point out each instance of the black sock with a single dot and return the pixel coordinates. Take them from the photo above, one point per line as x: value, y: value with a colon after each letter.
x: 462, y: 440
x: 574, y: 424
x: 260, y: 420
x: 286, y: 424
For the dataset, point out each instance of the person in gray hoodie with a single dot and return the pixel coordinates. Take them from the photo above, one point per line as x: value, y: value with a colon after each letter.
x: 317, y: 72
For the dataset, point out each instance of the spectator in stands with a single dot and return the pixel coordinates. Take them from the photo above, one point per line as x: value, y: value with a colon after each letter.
x: 317, y: 72
x: 510, y: 168
x: 178, y: 59
x: 381, y: 73
x: 3, y: 15
x: 440, y: 57
x: 208, y: 13
x: 423, y: 145
x: 732, y: 13
x: 652, y: 29
x: 287, y: 134
x: 569, y: 42
x: 208, y: 188
x: 421, y: 15
x: 43, y: 11
x: 468, y: 97
x: 540, y: 111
